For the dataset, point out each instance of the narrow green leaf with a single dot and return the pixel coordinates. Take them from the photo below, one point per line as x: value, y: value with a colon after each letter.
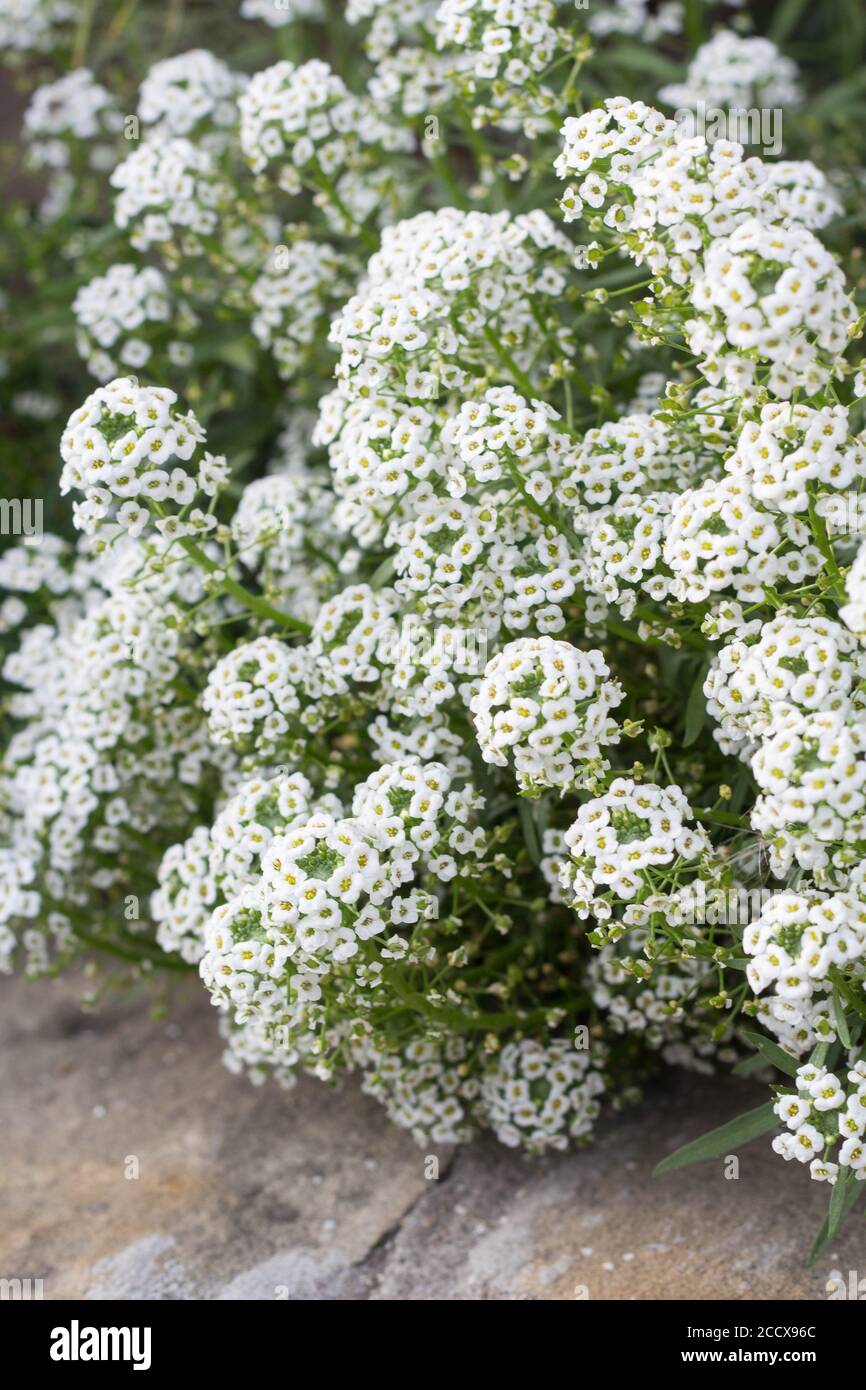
x: 838, y: 1199
x: 744, y: 1128
x: 818, y: 1055
x: 749, y: 1065
x: 773, y: 1053
x: 842, y: 1200
x: 237, y: 353
x: 838, y: 97
x: 530, y: 830
x: 696, y: 709
x: 647, y: 60
x: 383, y: 573
x: 785, y: 19
x: 841, y: 1020
x: 852, y: 996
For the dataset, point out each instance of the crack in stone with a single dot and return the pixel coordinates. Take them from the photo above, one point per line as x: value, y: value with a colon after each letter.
x: 375, y: 1259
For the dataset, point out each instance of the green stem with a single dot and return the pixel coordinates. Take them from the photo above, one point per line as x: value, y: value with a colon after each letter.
x: 721, y: 818
x: 505, y: 357
x: 253, y: 602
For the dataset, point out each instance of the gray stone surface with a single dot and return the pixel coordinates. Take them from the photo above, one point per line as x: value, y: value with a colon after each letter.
x: 248, y: 1193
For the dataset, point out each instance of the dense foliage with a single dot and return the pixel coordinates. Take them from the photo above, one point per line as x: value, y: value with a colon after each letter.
x: 451, y: 639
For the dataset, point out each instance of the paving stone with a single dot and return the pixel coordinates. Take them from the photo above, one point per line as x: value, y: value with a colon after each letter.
x: 254, y: 1193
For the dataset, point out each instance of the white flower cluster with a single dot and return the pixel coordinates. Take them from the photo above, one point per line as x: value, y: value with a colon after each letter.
x: 123, y: 449
x: 330, y: 892
x: 290, y: 297
x: 669, y: 193
x: 75, y: 108
x: 187, y: 92
x: 277, y: 15
x: 803, y: 193
x: 733, y: 70
x: 797, y: 939
x: 607, y: 144
x: 546, y: 705
x: 410, y: 81
x: 768, y: 670
x: 471, y: 556
x: 778, y: 293
x: 306, y: 118
x: 631, y: 455
x: 352, y: 637
x: 406, y: 801
x: 33, y: 26
x: 853, y: 613
x: 27, y: 569
x: 636, y: 19
x: 415, y: 470
x: 540, y: 1096
x: 169, y: 189
x: 18, y: 901
x: 379, y: 450
x: 793, y: 453
x: 253, y: 696
x: 427, y: 1088
x: 271, y: 524
x: 619, y: 838
x: 111, y: 312
x: 658, y: 1005
x: 216, y: 862
x: 720, y: 537
x: 265, y: 697
x: 723, y: 229
x: 441, y: 287
x: 811, y: 772
x: 512, y: 39
x: 823, y: 1112
x: 105, y: 758
x: 624, y: 550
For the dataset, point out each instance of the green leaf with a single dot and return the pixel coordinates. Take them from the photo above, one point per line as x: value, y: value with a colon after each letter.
x: 236, y: 352
x: 742, y: 1130
x: 749, y: 1065
x: 854, y: 997
x: 841, y: 1020
x: 842, y: 1200
x: 838, y: 1199
x: 773, y: 1053
x: 818, y: 1055
x: 741, y: 787
x: 383, y: 573
x: 838, y: 97
x: 646, y: 60
x: 785, y: 19
x: 696, y: 709
x: 530, y: 830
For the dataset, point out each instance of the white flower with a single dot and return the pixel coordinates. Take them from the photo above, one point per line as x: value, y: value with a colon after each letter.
x: 548, y: 706
x: 631, y: 828
x: 121, y: 449
x: 188, y: 90
x: 538, y: 1097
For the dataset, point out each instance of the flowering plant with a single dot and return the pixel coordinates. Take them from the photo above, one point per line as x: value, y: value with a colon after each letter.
x: 464, y: 608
